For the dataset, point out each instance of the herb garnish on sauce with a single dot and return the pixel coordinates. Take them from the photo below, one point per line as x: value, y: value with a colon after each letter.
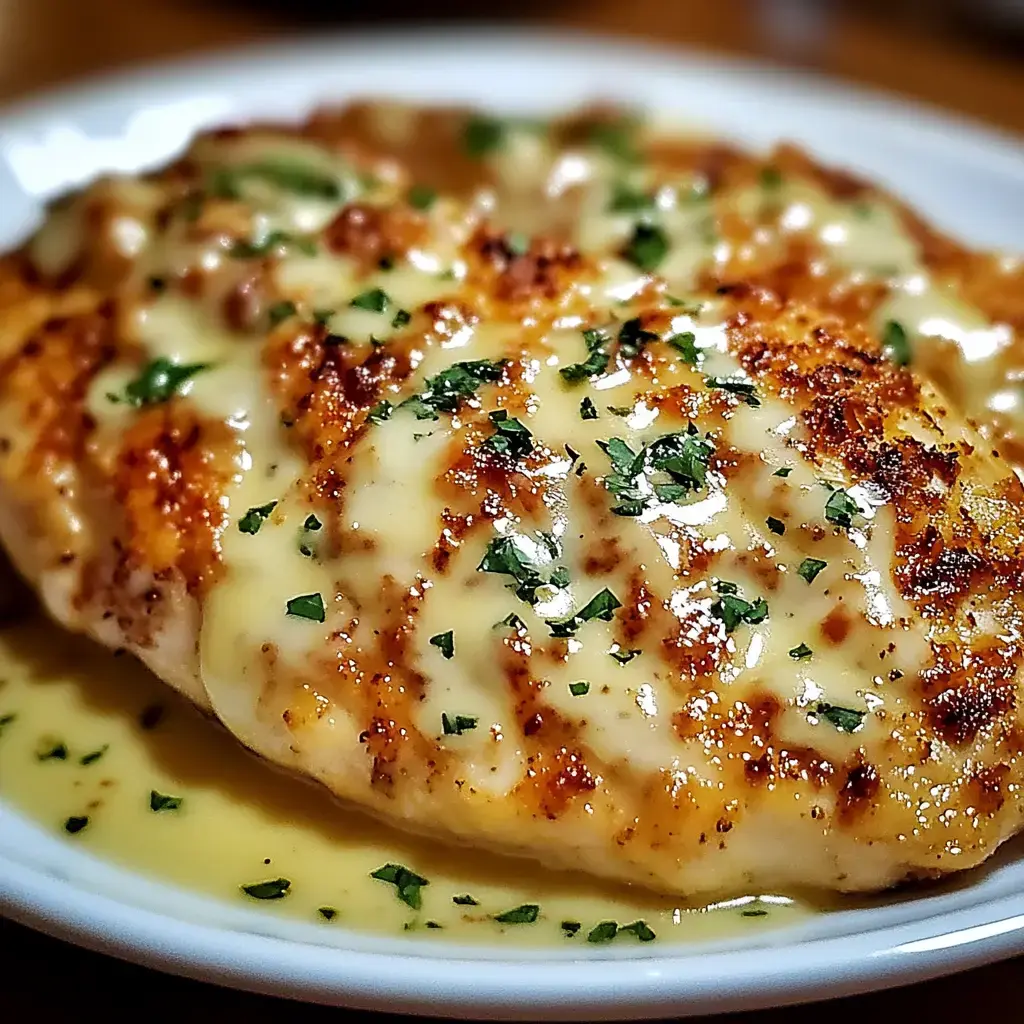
x: 407, y: 883
x: 158, y: 381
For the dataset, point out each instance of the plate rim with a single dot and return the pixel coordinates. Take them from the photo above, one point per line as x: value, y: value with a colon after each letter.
x: 510, y: 988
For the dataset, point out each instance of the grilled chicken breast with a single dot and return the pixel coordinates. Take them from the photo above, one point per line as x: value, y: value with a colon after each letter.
x: 576, y: 490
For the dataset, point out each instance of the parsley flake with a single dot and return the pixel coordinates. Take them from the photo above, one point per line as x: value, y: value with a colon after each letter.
x: 247, y: 250
x: 94, y: 755
x: 510, y: 437
x: 51, y: 750
x: 253, y: 519
x: 327, y: 913
x: 158, y: 381
x: 597, y: 341
x: 633, y: 337
x: 603, y: 932
x: 375, y: 300
x: 445, y: 643
x: 801, y: 652
x: 588, y: 411
x: 287, y: 175
x: 625, y: 657
x: 783, y: 472
x: 743, y: 389
x: 686, y: 344
x: 809, y: 568
x: 895, y: 343
x: 380, y: 412
x: 281, y: 311
x: 626, y: 199
x: 307, y: 606
x: 272, y: 889
x: 163, y: 802
x: 445, y: 391
x: 601, y: 606
x: 647, y: 247
x: 733, y: 610
x: 75, y: 824
x: 407, y: 883
x: 570, y: 928
x: 777, y: 526
x: 579, y: 689
x: 401, y: 318
x: 312, y: 524
x: 640, y: 929
x: 457, y: 724
x: 525, y: 914
x: 841, y: 508
x: 465, y: 901
x: 483, y: 135
x: 844, y: 719
x: 422, y: 197
x: 505, y: 557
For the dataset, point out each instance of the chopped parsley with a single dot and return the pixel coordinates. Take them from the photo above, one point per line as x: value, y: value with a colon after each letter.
x: 287, y: 175
x: 51, y: 750
x: 625, y: 657
x: 603, y: 932
x: 5, y: 720
x: 247, y: 250
x: 401, y: 318
x: 75, y: 824
x: 686, y: 344
x: 510, y: 437
x: 307, y: 606
x: 771, y: 177
x: 511, y: 620
x: 312, y: 524
x: 809, y: 568
x: 272, y: 889
x: 753, y: 913
x: 327, y: 913
x: 570, y: 928
x: 734, y: 610
x: 253, y: 519
x: 742, y: 389
x: 683, y: 457
x: 588, y: 411
x: 163, y: 802
x: 322, y: 316
x: 375, y: 300
x: 777, y: 526
x: 601, y: 606
x: 422, y: 197
x: 407, y: 883
x: 93, y: 756
x: 445, y: 391
x: 380, y: 412
x: 895, y: 343
x: 525, y: 914
x: 647, y: 247
x: 465, y: 901
x: 608, y: 930
x: 281, y: 311
x: 783, y: 472
x: 597, y: 342
x: 633, y: 337
x: 841, y: 508
x: 800, y: 652
x: 445, y: 643
x: 579, y: 689
x: 844, y: 719
x: 483, y: 135
x: 158, y: 381
x: 616, y: 138
x: 457, y: 724
x: 626, y: 199
x: 507, y: 558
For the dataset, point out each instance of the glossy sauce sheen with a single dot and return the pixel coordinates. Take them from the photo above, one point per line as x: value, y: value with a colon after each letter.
x: 727, y: 721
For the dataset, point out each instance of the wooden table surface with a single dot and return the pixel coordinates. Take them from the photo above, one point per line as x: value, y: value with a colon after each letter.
x: 45, y: 42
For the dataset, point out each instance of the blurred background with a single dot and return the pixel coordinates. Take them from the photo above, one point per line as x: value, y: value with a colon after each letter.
x: 964, y: 55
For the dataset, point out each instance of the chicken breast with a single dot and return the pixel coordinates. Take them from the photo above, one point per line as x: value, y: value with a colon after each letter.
x: 576, y: 490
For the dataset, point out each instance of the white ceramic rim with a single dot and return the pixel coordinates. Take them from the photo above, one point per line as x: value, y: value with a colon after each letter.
x: 891, y: 946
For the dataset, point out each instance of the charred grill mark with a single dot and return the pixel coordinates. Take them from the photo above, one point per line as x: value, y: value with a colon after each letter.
x: 542, y: 273
x: 857, y: 794
x: 370, y: 234
x: 172, y: 472
x: 970, y: 693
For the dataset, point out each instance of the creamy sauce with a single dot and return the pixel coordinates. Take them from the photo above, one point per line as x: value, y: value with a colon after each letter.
x: 242, y: 822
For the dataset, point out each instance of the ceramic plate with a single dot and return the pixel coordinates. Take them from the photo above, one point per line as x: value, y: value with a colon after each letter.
x: 967, y: 179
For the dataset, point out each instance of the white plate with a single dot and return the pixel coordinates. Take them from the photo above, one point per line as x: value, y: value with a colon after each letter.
x: 968, y: 179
